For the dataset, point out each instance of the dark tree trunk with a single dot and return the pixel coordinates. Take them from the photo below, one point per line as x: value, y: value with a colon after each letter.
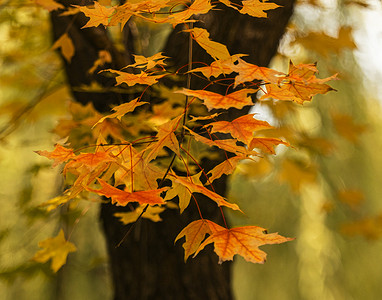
x: 148, y: 265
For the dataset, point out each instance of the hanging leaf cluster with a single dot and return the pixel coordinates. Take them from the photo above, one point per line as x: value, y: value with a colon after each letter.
x: 140, y: 170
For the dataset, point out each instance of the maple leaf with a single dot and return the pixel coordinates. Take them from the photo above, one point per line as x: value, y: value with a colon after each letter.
x: 244, y: 241
x: 226, y: 167
x: 122, y: 197
x: 266, y: 144
x: 60, y: 154
x: 57, y: 249
x: 250, y: 72
x: 103, y: 58
x: 133, y: 79
x: 347, y: 128
x: 216, y: 50
x: 256, y: 8
x: 197, y: 188
x: 98, y: 15
x: 151, y: 213
x: 241, y: 128
x: 198, y: 7
x: 148, y: 62
x: 65, y: 43
x: 194, y: 233
x: 227, y: 144
x: 212, y: 100
x: 183, y: 193
x: 50, y: 5
x: 218, y: 67
x: 297, y: 174
x: 122, y: 110
x: 165, y: 138
x: 55, y: 202
x: 352, y: 198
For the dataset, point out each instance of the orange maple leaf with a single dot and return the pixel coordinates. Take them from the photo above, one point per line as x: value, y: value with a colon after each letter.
x: 215, y: 49
x: 197, y: 188
x: 226, y: 167
x: 250, y: 72
x: 241, y: 128
x: 98, y: 15
x: 60, y: 154
x: 133, y: 79
x: 194, y: 233
x: 122, y: 110
x: 244, y: 241
x: 64, y: 42
x: 266, y: 144
x: 198, y: 7
x: 256, y: 8
x: 122, y: 197
x: 212, y: 100
x: 148, y: 62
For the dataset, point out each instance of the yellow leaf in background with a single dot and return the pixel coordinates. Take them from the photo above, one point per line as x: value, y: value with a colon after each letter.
x: 353, y: 198
x: 148, y: 62
x: 66, y: 45
x: 215, y: 49
x: 151, y: 213
x: 368, y: 227
x: 256, y: 8
x: 50, y: 5
x: 347, y: 128
x: 98, y: 15
x: 133, y: 79
x: 197, y: 7
x: 103, y: 58
x: 297, y: 174
x: 326, y: 45
x: 55, y: 202
x: 266, y: 144
x: 57, y: 249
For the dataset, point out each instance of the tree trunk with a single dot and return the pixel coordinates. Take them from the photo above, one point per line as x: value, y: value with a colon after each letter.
x: 147, y: 265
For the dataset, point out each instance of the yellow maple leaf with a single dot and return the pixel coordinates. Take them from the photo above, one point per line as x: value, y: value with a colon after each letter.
x: 256, y: 8
x: 98, y: 15
x: 215, y: 49
x: 151, y: 213
x: 57, y: 249
x: 65, y: 43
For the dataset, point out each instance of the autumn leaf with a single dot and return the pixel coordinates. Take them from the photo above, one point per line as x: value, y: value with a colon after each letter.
x: 256, y: 8
x: 197, y: 188
x: 249, y: 72
x: 57, y: 249
x: 266, y: 144
x: 241, y: 128
x: 352, y: 197
x: 148, y: 62
x: 226, y: 167
x: 212, y: 100
x: 122, y: 197
x: 194, y: 233
x: 98, y: 15
x: 229, y: 145
x: 165, y: 138
x: 216, y: 50
x: 50, y: 5
x: 183, y: 193
x: 297, y: 174
x: 244, y: 241
x: 151, y: 213
x: 103, y: 58
x: 347, y: 128
x: 133, y: 79
x: 218, y: 67
x: 122, y: 110
x: 60, y: 154
x: 198, y: 7
x: 56, y: 202
x: 65, y: 43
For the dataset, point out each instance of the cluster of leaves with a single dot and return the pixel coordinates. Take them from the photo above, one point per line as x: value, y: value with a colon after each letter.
x: 136, y: 169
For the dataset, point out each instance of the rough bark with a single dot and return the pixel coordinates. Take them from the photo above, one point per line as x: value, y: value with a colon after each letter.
x: 148, y: 265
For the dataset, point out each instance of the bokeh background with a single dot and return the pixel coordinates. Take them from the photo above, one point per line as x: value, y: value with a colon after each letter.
x: 325, y: 191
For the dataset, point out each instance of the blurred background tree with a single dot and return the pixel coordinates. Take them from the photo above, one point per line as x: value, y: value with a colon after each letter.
x: 325, y: 191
